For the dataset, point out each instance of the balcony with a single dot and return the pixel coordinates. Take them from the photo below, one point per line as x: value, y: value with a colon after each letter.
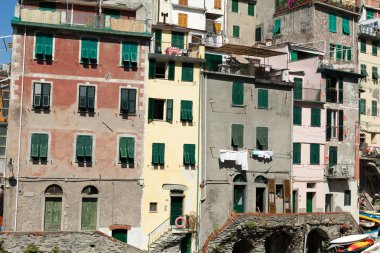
x: 368, y: 151
x: 180, y: 49
x: 80, y: 20
x: 308, y: 95
x: 340, y: 171
x: 284, y: 5
x: 214, y: 40
x: 371, y: 29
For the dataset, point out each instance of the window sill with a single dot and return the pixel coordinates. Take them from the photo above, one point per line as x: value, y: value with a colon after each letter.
x: 153, y: 211
x: 127, y: 114
x: 47, y: 60
x: 238, y: 105
x: 41, y: 109
x: 263, y: 108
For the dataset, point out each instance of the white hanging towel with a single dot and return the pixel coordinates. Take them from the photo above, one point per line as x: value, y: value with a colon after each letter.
x: 240, y: 157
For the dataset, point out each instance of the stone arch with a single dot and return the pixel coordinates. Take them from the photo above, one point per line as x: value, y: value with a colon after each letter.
x: 240, y: 179
x: 54, y: 189
x: 242, y: 246
x: 90, y: 190
x: 278, y: 242
x: 317, y: 241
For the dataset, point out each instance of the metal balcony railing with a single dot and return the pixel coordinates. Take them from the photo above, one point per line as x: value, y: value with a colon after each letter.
x: 80, y: 19
x: 214, y: 40
x: 370, y: 29
x: 178, y: 48
x: 340, y: 171
x: 308, y: 94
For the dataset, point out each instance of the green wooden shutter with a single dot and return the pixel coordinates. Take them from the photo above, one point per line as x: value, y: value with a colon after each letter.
x: 251, y: 9
x: 124, y: 100
x: 150, y: 109
x: 374, y: 108
x: 52, y: 217
x: 189, y: 109
x: 46, y: 95
x: 192, y: 154
x: 339, y: 52
x: 82, y: 97
x: 235, y: 6
x: 161, y: 153
x: 178, y: 40
x: 80, y: 146
x: 237, y: 134
x: 126, y: 54
x: 363, y: 69
x: 88, y: 146
x: 158, y: 41
x: 236, y: 31
x: 262, y: 100
x: 133, y: 47
x: 349, y: 53
x: 332, y: 49
x: 186, y: 154
x: 37, y: 95
x: 169, y: 110
x: 328, y: 124
x: 374, y: 48
x: 314, y: 154
x: 44, y: 139
x: 184, y: 110
x: 48, y: 47
x: 297, y: 115
x: 131, y: 148
x: 90, y: 98
x: 123, y: 154
x: 187, y: 72
x: 341, y: 122
x: 152, y: 69
x: 294, y: 55
x: 375, y: 74
x: 39, y: 47
x: 315, y: 117
x: 346, y: 26
x: 132, y: 101
x: 237, y: 93
x: 277, y: 27
x: 85, y: 50
x: 370, y: 13
x: 296, y: 153
x: 332, y: 22
x: 35, y: 146
x: 363, y: 46
x: 171, y: 70
x: 155, y: 154
x: 362, y: 106
x: 297, y: 88
x: 328, y: 89
x: 93, y: 47
x: 340, y: 91
x: 89, y: 213
x: 262, y: 138
x: 333, y: 156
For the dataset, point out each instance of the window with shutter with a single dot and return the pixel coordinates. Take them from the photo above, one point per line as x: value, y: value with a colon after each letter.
x: 340, y: 93
x: 339, y: 52
x: 86, y: 101
x: 341, y: 126
x: 178, y: 40
x: 131, y: 149
x: 171, y: 70
x: 186, y: 111
x: 262, y: 138
x: 236, y: 31
x: 332, y: 22
x: 217, y: 27
x: 218, y: 4
x: 345, y: 26
x: 297, y: 115
x: 375, y: 74
x: 315, y: 117
x: 84, y: 148
x: 328, y: 90
x: 363, y: 46
x: 237, y: 93
x: 39, y: 146
x: 183, y: 2
x: 296, y: 153
x: 332, y: 50
x: 169, y: 110
x: 43, y: 47
x: 189, y: 154
x: 41, y: 96
x: 128, y: 101
x: 129, y: 54
x: 363, y: 69
x: 187, y: 72
x: 297, y: 88
x: 161, y: 153
x: 262, y: 98
x: 251, y: 9
x: 258, y: 34
x: 349, y: 53
x: 362, y: 106
x: 237, y: 136
x: 347, y: 198
x: 182, y: 19
x: 294, y: 55
x: 333, y: 156
x: 374, y: 48
x: 235, y: 6
x: 314, y: 154
x: 374, y: 108
x: 88, y: 148
x: 277, y: 27
x: 126, y: 149
x: 152, y: 69
x: 44, y: 139
x: 89, y: 51
x: 328, y: 124
x: 370, y: 14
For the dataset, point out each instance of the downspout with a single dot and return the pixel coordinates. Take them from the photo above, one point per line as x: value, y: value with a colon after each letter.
x: 20, y: 132
x: 204, y: 139
x: 199, y: 162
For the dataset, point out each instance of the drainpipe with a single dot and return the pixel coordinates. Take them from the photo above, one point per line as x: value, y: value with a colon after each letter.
x: 19, y: 132
x: 204, y: 138
x: 199, y: 162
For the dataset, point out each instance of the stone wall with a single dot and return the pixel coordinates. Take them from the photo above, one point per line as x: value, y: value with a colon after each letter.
x: 66, y: 242
x: 251, y: 232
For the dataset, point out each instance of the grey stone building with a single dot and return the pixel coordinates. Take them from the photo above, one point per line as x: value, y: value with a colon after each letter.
x: 247, y: 126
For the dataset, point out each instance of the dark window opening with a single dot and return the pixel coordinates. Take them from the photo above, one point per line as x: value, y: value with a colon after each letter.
x: 158, y: 112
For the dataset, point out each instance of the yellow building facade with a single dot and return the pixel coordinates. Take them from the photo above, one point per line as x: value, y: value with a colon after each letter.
x: 172, y: 136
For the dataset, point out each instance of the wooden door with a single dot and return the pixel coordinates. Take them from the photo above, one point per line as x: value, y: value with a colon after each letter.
x: 272, y: 195
x: 186, y: 244
x: 287, y: 207
x: 89, y: 213
x: 239, y: 198
x: 53, y: 208
x: 176, y: 208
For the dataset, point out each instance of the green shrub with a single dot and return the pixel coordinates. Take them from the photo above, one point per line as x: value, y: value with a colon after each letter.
x: 251, y: 225
x: 55, y: 250
x: 32, y: 248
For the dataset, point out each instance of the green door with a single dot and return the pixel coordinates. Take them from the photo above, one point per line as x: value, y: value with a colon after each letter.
x: 239, y: 196
x: 309, y: 202
x: 89, y: 211
x: 53, y: 207
x: 186, y: 244
x: 120, y: 234
x: 294, y: 198
x: 175, y: 208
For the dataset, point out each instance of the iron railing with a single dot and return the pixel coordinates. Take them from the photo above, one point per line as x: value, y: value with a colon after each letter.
x: 370, y: 29
x: 339, y: 171
x: 159, y: 231
x: 80, y: 19
x: 178, y: 48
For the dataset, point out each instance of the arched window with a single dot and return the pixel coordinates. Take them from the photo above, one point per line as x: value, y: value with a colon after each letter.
x: 239, y: 193
x: 90, y: 190
x: 54, y: 189
x: 240, y: 179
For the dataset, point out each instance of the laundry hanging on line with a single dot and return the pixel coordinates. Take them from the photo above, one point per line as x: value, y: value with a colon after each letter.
x: 267, y: 154
x: 240, y: 157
